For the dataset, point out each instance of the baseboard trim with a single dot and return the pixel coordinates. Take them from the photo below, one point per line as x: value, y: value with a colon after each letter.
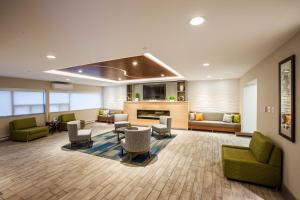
x: 286, y: 193
x: 4, y: 138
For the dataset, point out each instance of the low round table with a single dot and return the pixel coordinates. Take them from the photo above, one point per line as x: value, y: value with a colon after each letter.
x: 122, y: 130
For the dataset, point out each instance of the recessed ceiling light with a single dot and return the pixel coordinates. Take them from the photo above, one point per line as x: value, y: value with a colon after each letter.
x: 208, y: 76
x: 197, y: 21
x: 79, y: 71
x: 206, y: 64
x: 51, y: 57
x: 67, y: 79
x: 119, y: 79
x: 134, y: 63
x: 162, y: 75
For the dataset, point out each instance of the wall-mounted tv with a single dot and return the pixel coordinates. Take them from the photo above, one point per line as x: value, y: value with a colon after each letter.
x: 154, y: 92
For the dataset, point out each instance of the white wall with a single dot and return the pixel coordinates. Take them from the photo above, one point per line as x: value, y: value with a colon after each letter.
x: 214, y: 95
x: 266, y: 73
x: 249, y: 118
x: 114, y: 97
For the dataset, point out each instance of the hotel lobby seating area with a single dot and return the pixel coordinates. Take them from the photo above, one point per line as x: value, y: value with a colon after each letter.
x: 149, y: 100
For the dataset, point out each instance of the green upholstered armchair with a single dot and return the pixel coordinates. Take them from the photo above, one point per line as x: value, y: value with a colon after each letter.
x: 260, y: 163
x: 65, y: 118
x: 26, y: 129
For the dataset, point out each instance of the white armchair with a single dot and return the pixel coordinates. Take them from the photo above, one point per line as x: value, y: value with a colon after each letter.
x: 121, y: 120
x: 137, y: 142
x: 79, y: 136
x: 164, y: 126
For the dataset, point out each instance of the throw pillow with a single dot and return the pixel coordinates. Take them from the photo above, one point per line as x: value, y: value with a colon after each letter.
x: 227, y: 118
x: 192, y: 116
x: 236, y: 118
x: 106, y: 112
x: 199, y: 117
x: 101, y: 112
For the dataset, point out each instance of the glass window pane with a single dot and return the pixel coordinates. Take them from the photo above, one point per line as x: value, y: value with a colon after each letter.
x: 63, y: 107
x: 37, y: 109
x: 79, y: 101
x: 58, y: 98
x: 5, y: 103
x: 22, y: 110
x: 54, y: 108
x: 28, y: 98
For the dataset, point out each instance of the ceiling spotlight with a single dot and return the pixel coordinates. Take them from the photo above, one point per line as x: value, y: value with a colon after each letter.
x: 51, y: 57
x: 162, y: 75
x: 197, y: 21
x: 119, y: 79
x: 134, y: 63
x: 208, y: 76
x: 67, y: 79
x: 79, y: 71
x: 206, y: 64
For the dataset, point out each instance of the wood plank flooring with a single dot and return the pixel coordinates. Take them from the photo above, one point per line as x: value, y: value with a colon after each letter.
x: 188, y: 168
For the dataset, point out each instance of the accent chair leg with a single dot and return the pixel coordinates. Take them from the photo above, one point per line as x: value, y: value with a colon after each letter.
x: 122, y: 151
x: 149, y: 155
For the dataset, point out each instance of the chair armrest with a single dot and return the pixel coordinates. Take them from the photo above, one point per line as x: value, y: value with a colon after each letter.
x: 234, y: 146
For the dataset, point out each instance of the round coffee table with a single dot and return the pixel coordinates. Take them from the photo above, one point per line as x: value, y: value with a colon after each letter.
x: 122, y: 130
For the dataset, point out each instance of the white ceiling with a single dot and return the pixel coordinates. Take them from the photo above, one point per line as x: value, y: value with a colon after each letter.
x: 237, y: 34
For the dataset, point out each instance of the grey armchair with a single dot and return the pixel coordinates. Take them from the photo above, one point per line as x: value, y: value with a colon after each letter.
x: 121, y: 120
x: 164, y: 126
x: 137, y: 142
x: 78, y: 136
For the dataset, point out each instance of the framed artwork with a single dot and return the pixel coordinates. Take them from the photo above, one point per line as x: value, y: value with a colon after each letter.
x: 287, y: 98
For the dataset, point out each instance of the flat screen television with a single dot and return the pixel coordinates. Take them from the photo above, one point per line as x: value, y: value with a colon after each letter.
x: 154, y: 92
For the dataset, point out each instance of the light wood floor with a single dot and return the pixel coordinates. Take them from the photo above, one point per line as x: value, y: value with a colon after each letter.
x: 188, y: 168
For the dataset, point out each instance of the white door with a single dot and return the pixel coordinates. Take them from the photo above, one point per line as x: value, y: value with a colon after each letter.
x: 249, y: 117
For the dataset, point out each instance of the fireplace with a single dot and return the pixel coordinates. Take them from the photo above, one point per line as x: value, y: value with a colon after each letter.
x: 152, y: 114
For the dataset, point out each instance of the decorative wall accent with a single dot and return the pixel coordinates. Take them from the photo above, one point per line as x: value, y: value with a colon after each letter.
x: 214, y: 95
x: 287, y: 98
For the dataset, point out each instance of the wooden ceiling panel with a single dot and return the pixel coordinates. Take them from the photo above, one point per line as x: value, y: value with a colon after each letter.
x: 123, y: 69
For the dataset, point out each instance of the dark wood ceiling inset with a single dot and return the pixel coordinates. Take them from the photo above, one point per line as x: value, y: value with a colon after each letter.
x: 123, y: 69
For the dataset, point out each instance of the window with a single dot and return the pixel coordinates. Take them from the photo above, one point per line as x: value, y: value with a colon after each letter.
x: 80, y: 101
x: 27, y: 102
x: 5, y: 103
x: 21, y: 102
x: 68, y: 101
x: 59, y: 101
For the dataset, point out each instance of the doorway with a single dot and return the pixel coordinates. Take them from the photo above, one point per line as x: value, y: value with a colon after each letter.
x: 249, y: 116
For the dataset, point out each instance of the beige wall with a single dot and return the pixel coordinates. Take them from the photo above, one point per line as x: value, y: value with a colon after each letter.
x: 6, y: 82
x: 266, y: 73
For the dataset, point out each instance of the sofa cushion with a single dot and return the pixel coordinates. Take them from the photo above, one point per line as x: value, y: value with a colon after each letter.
x: 233, y: 153
x: 68, y: 117
x: 227, y: 118
x: 36, y: 130
x: 213, y: 116
x: 199, y: 117
x: 192, y: 116
x: 214, y: 124
x: 261, y: 147
x: 236, y: 118
x: 20, y: 124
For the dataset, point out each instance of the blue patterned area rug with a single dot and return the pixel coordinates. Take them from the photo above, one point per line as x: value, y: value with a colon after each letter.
x: 106, y: 145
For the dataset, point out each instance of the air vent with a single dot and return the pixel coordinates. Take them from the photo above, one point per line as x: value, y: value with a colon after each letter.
x: 61, y: 86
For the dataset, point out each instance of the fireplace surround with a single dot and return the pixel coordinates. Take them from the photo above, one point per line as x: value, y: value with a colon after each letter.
x: 152, y: 114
